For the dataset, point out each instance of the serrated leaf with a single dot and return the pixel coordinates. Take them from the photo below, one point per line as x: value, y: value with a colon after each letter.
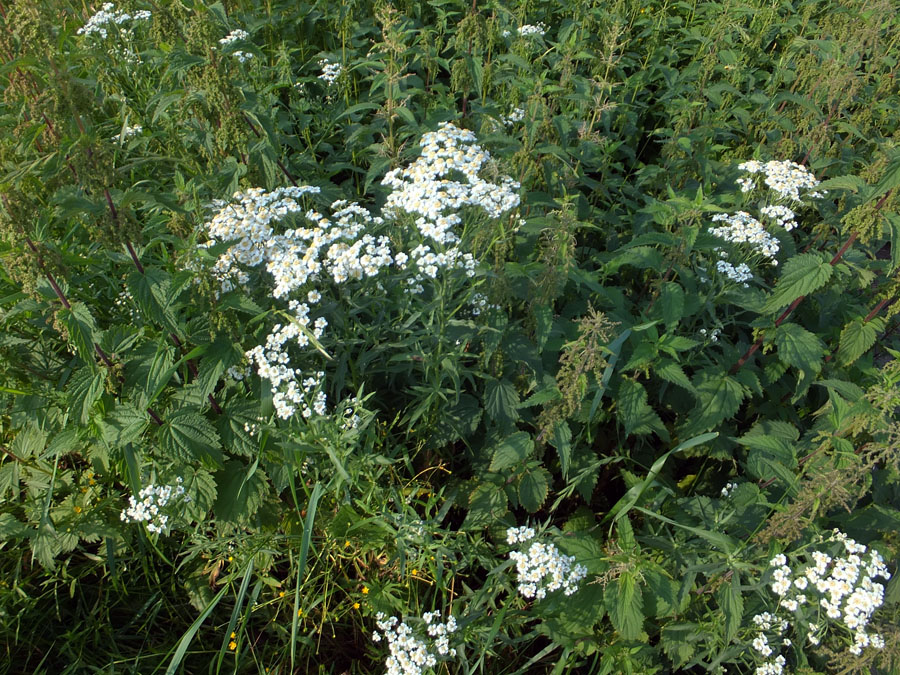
x: 44, y: 545
x: 731, y: 602
x: 857, y: 338
x: 660, y: 593
x: 487, y: 503
x: 533, y: 489
x: 190, y: 437
x: 150, y: 291
x: 632, y: 410
x: 625, y: 604
x: 670, y: 371
x: 11, y: 527
x: 84, y: 388
x: 124, y: 424
x: 241, y: 490
x: 798, y: 347
x: 501, y: 401
x: 81, y: 328
x: 719, y: 397
x: 671, y: 301
x: 802, y: 275
x: 561, y: 439
x: 543, y: 319
x: 894, y: 224
x: 511, y: 451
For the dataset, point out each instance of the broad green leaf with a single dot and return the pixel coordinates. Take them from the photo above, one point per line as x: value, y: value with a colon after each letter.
x: 85, y: 387
x: 500, y: 401
x: 798, y: 347
x: 633, y: 412
x: 533, y: 488
x: 857, y: 338
x: 731, y: 602
x: 190, y: 437
x: 660, y: 593
x: 719, y: 397
x: 671, y: 302
x: 670, y: 371
x: 487, y: 503
x: 241, y: 490
x: 625, y: 604
x: 893, y: 220
x: 81, y: 328
x: 802, y: 275
x: 511, y: 451
x: 150, y: 291
x: 890, y: 179
x: 561, y: 439
x: 124, y: 424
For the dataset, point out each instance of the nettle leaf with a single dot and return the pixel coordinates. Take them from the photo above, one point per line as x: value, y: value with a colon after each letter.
x: 487, y: 503
x: 500, y: 402
x: 857, y: 338
x: 81, y: 328
x: 625, y: 605
x: 731, y: 602
x: 798, y: 347
x: 533, y: 488
x: 719, y: 397
x: 671, y: 302
x: 634, y: 414
x: 151, y: 293
x: 188, y: 436
x: 802, y: 275
x: 85, y: 387
x: 511, y: 451
x: 561, y: 439
x: 219, y: 357
x: 233, y: 425
x: 123, y: 425
x: 660, y: 594
x: 241, y: 491
x: 11, y: 527
x: 670, y: 371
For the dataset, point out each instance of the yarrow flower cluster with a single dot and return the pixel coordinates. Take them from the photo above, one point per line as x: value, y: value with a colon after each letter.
x: 108, y: 16
x: 840, y: 586
x: 742, y: 228
x: 741, y: 273
x: 150, y: 508
x: 541, y: 567
x: 330, y: 71
x: 411, y: 653
x: 528, y: 30
x: 234, y: 36
x: 127, y: 132
x: 517, y: 115
x: 785, y: 178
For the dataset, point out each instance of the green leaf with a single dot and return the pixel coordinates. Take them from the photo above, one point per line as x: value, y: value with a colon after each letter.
x: 501, y: 401
x: 241, y: 490
x: 487, y: 503
x: 670, y: 371
x: 890, y: 179
x: 671, y: 302
x: 511, y: 451
x: 150, y: 291
x: 626, y: 606
x: 188, y: 436
x: 731, y: 602
x: 533, y: 489
x: 123, y: 425
x: 561, y: 439
x: 798, y: 347
x: 857, y: 338
x: 81, y: 329
x: 660, y: 593
x: 85, y: 387
x: 635, y: 415
x: 894, y: 224
x: 719, y: 397
x: 802, y: 275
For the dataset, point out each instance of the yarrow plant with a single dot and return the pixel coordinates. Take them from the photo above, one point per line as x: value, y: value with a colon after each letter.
x: 108, y: 16
x: 330, y: 71
x: 820, y: 590
x: 150, y: 506
x: 234, y: 36
x: 528, y: 30
x: 541, y: 568
x: 411, y: 652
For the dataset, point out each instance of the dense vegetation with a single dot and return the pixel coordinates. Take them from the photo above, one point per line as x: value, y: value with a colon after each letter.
x: 519, y: 337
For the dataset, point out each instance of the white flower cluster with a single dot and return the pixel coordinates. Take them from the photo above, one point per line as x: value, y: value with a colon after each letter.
x: 153, y: 499
x: 742, y: 228
x: 528, y: 30
x: 541, y: 567
x: 781, y: 215
x: 234, y: 36
x: 517, y: 115
x: 127, y: 132
x: 412, y: 653
x: 741, y: 273
x: 728, y: 489
x: 841, y: 586
x: 330, y: 71
x: 713, y: 334
x: 785, y: 178
x: 107, y: 16
x: 423, y: 189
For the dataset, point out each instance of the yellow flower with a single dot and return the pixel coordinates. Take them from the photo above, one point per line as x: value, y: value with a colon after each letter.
x: 77, y: 509
x: 355, y: 605
x: 232, y: 645
x: 233, y: 635
x: 365, y: 590
x: 415, y: 572
x: 231, y: 558
x: 280, y: 594
x: 299, y: 612
x: 346, y: 544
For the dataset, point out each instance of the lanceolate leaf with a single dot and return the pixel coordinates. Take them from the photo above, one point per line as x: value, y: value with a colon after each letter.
x: 81, y: 328
x: 731, y: 602
x: 802, y: 275
x: 627, y: 606
x: 533, y: 488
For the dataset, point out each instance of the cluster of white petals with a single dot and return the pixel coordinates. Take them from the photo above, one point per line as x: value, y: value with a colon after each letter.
x: 517, y: 115
x: 840, y: 589
x: 330, y: 71
x: 785, y: 178
x: 728, y: 489
x: 742, y: 228
x: 541, y: 567
x: 108, y: 16
x: 528, y: 30
x: 412, y: 653
x: 781, y: 215
x: 127, y: 132
x: 150, y: 508
x: 234, y: 36
x: 741, y: 273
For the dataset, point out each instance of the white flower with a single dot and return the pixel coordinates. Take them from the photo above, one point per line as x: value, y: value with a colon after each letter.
x: 528, y: 30
x: 542, y: 568
x: 330, y: 71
